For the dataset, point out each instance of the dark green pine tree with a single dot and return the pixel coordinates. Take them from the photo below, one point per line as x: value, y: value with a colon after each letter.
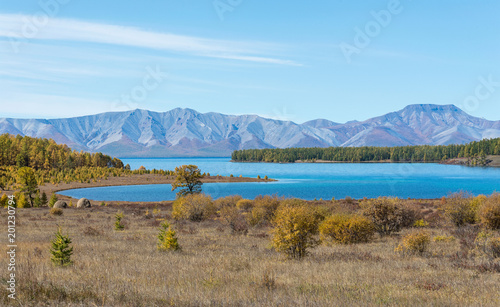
x: 61, y: 250
x: 43, y: 199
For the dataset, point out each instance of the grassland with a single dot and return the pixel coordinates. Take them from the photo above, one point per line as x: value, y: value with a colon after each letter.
x: 217, y: 268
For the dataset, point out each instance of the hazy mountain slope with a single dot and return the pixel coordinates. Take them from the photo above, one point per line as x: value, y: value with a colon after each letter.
x: 185, y: 132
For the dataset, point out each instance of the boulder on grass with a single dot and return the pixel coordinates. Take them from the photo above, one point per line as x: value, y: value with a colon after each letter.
x: 83, y: 203
x: 60, y: 204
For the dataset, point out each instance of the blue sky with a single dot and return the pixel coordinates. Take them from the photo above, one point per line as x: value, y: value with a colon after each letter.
x: 338, y: 59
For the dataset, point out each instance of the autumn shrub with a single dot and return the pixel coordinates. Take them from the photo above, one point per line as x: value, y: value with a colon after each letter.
x: 226, y: 201
x: 420, y: 224
x: 263, y: 210
x: 489, y: 213
x: 194, y: 207
x: 487, y: 244
x: 477, y: 202
x: 416, y: 242
x: 56, y: 211
x: 234, y: 218
x: 461, y: 209
x: 346, y: 229
x: 388, y: 215
x: 322, y: 212
x: 295, y: 226
x: 244, y: 204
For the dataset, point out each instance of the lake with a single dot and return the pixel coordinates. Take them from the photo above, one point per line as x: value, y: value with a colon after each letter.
x: 312, y: 180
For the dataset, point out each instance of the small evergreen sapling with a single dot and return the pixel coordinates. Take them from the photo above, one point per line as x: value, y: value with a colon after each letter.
x: 61, y: 250
x: 167, y: 239
x: 118, y: 221
x: 37, y: 201
x: 44, y: 199
x: 53, y: 200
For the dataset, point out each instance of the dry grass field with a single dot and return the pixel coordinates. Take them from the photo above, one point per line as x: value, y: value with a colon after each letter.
x: 217, y: 268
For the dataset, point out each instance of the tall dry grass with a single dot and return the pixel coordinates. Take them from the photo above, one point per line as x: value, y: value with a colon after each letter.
x: 216, y: 268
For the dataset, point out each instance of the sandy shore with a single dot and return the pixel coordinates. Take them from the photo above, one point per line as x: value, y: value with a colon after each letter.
x: 136, y: 179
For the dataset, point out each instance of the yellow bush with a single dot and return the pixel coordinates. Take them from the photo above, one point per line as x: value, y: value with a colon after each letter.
x: 489, y: 213
x: 477, y: 202
x: 56, y: 211
x: 194, y: 207
x: 263, y: 210
x: 346, y: 229
x: 388, y: 215
x: 420, y: 224
x: 461, y: 209
x: 226, y: 201
x: 294, y: 228
x: 244, y: 204
x: 416, y: 242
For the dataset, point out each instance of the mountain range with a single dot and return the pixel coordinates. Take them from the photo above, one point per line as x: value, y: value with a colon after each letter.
x: 185, y: 132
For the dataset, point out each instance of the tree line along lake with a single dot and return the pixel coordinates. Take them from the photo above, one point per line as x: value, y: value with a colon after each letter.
x: 310, y: 180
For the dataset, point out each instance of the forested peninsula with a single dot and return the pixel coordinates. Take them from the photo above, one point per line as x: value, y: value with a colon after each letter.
x: 475, y: 153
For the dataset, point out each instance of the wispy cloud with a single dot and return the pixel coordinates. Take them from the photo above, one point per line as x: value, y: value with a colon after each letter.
x: 60, y: 29
x: 35, y: 106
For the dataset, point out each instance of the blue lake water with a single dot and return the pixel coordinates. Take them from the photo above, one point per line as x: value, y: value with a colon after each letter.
x: 312, y: 180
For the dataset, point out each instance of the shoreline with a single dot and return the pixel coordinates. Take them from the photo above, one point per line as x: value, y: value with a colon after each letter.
x: 152, y: 179
x: 132, y: 180
x: 494, y: 161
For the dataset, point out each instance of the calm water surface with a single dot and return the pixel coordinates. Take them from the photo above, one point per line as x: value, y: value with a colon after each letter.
x: 312, y: 180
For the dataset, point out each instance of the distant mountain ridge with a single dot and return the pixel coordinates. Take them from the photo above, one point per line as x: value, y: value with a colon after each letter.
x: 185, y: 132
